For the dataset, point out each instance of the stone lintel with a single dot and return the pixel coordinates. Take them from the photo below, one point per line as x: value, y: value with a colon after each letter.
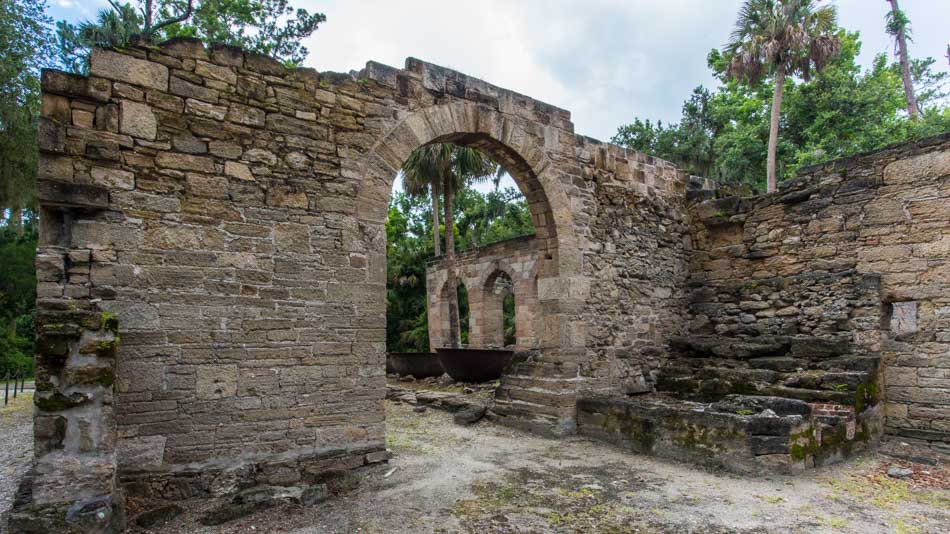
x: 64, y: 194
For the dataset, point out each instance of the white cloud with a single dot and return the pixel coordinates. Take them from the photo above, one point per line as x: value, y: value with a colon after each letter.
x: 607, y: 61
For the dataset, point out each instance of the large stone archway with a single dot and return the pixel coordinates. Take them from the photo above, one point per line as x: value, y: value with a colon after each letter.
x: 533, y: 141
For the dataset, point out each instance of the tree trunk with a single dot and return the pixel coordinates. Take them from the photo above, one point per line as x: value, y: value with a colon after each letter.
x: 771, y: 180
x: 147, y: 28
x: 436, y: 244
x: 17, y: 217
x: 452, y: 281
x: 901, y: 37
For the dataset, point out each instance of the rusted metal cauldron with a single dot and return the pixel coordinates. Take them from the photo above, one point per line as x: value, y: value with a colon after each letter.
x: 417, y: 364
x: 475, y: 365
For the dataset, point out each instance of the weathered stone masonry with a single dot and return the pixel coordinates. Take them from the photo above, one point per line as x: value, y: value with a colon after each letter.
x: 479, y: 270
x: 211, y: 293
x: 230, y: 213
x: 833, y: 257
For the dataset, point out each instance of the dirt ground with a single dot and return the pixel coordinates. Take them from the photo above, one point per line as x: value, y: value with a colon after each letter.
x: 16, y: 444
x: 488, y: 478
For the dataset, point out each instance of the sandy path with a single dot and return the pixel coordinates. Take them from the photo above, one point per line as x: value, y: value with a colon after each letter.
x: 488, y: 478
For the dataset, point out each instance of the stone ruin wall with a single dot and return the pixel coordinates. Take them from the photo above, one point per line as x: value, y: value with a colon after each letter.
x: 637, y: 264
x: 635, y: 253
x: 835, y: 255
x: 211, y: 273
x: 477, y: 269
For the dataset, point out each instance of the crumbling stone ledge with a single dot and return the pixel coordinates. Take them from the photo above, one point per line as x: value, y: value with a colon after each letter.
x: 748, y: 435
x: 466, y: 408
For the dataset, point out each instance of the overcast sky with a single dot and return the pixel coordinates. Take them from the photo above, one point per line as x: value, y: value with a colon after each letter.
x: 607, y: 61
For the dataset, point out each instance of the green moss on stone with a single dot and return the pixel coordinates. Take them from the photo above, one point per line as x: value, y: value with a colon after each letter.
x: 107, y: 348
x: 865, y: 396
x: 109, y: 321
x: 58, y: 402
x: 803, y: 445
x: 701, y: 437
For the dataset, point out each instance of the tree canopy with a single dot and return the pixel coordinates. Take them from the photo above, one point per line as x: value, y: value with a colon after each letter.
x: 846, y: 109
x: 270, y: 27
x: 483, y: 218
x: 24, y: 43
x: 17, y: 297
x: 780, y: 38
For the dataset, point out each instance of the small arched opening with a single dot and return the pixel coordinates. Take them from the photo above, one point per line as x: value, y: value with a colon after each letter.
x: 499, y: 311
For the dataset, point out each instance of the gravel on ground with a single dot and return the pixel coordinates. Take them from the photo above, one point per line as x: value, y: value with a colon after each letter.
x: 446, y: 478
x: 16, y: 444
x: 486, y: 478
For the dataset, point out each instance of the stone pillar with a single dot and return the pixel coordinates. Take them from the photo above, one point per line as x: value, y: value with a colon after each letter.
x: 527, y: 313
x: 438, y: 310
x: 493, y: 315
x: 74, y: 467
x: 479, y: 329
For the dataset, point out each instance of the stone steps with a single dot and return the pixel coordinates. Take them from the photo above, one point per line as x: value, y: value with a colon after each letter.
x: 710, y: 379
x: 810, y: 395
x: 546, y: 402
x: 543, y: 370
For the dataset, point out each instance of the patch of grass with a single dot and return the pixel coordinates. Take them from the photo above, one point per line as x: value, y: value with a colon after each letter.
x: 900, y: 527
x: 579, y: 494
x: 410, y: 432
x: 771, y: 499
x: 833, y: 522
x: 883, y: 492
x: 22, y: 403
x: 552, y: 500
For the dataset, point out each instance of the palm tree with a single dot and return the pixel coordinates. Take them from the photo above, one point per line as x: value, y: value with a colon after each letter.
x: 447, y: 167
x: 113, y: 28
x: 897, y: 25
x: 418, y: 182
x: 782, y: 38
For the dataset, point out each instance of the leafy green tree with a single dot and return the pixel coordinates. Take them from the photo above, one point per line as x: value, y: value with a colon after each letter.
x: 24, y: 43
x: 417, y: 183
x: 508, y: 318
x: 483, y: 218
x: 17, y: 297
x: 408, y: 246
x: 843, y: 110
x: 270, y: 27
x: 643, y: 136
x: 780, y: 38
x: 113, y: 28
